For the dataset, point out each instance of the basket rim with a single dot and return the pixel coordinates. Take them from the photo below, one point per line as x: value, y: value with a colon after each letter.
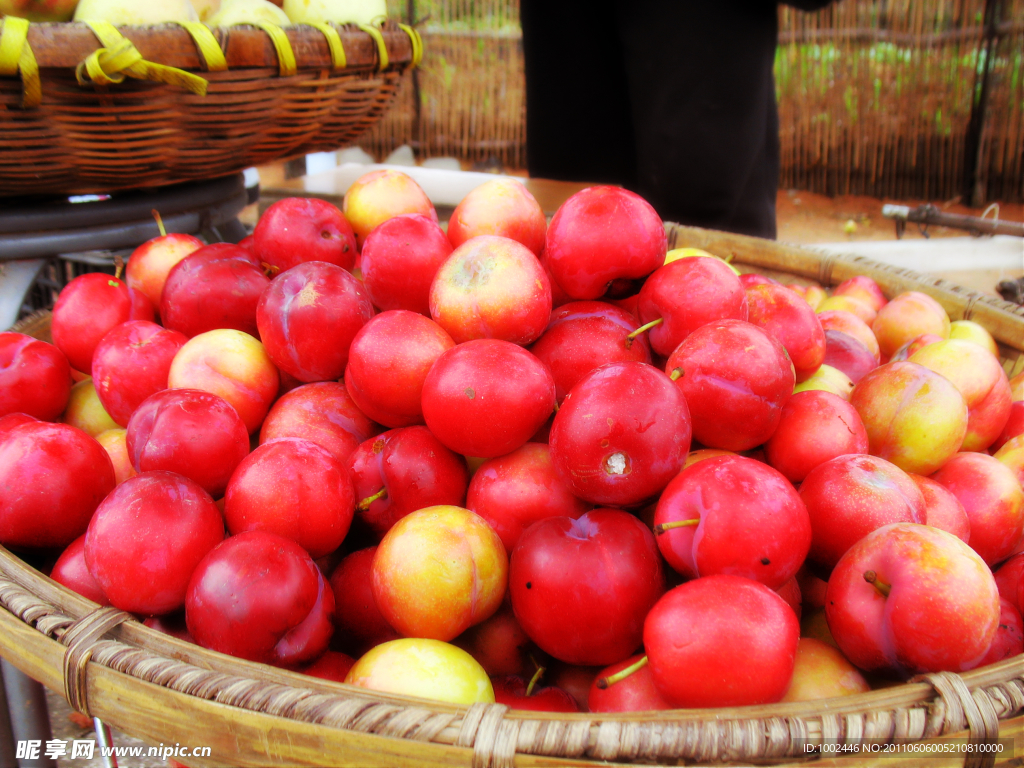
x: 926, y: 708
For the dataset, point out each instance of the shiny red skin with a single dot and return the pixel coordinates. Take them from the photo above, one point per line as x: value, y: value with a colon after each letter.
x: 1014, y: 425
x: 194, y: 433
x: 491, y: 287
x: 942, y: 611
x: 388, y: 362
x: 850, y: 496
x: 71, y: 571
x: 146, y: 539
x: 848, y: 323
x: 358, y: 621
x: 35, y: 377
x: 912, y: 346
x: 332, y: 665
x: 602, y: 234
x: 147, y: 267
x: 1009, y: 639
x: 510, y: 690
x: 1008, y: 576
x: 217, y: 286
x: 322, y: 412
x: 399, y: 260
x: 260, y: 596
x: 635, y: 693
x: 499, y: 644
x: 52, y: 478
x: 621, y: 434
x: 864, y: 289
x: 131, y: 363
x: 736, y: 379
x: 750, y: 279
x: 308, y: 317
x: 752, y: 522
x: 12, y: 420
x: 172, y: 624
x: 942, y: 509
x: 299, y: 229
x: 487, y: 397
x: 584, y: 335
x: 848, y: 355
x: 581, y: 588
x: 686, y: 294
x: 815, y: 427
x: 502, y: 207
x: 294, y: 488
x: 993, y: 500
x: 88, y: 307
x: 416, y: 470
x: 786, y: 316
x: 514, y: 491
x: 721, y: 641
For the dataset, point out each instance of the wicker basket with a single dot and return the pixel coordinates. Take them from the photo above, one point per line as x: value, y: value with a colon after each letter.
x: 274, y: 94
x: 164, y: 690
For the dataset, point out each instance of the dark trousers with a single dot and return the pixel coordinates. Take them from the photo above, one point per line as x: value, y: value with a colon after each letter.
x: 673, y: 99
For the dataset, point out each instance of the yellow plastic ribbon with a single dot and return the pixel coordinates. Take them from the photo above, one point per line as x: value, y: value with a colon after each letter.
x: 382, y: 48
x: 338, y: 58
x: 119, y: 58
x: 285, y: 55
x: 417, y: 44
x: 207, y: 45
x: 16, y: 57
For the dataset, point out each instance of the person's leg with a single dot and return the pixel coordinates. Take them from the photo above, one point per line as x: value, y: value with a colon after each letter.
x: 703, y: 100
x: 578, y: 119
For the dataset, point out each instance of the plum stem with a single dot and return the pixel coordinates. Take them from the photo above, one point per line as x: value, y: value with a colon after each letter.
x: 118, y: 266
x: 365, y: 503
x: 622, y: 674
x: 533, y: 680
x: 662, y: 527
x: 159, y: 222
x: 677, y: 373
x: 641, y: 329
x: 872, y: 578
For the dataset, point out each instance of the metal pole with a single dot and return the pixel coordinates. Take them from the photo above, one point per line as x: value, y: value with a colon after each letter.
x: 30, y: 719
x: 7, y: 743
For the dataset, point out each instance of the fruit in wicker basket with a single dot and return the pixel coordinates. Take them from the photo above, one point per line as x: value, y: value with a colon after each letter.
x: 439, y: 571
x: 232, y: 12
x: 399, y: 259
x: 501, y: 207
x: 52, y: 478
x: 910, y: 598
x: 491, y: 287
x: 150, y: 263
x: 35, y: 377
x: 85, y: 410
x: 122, y: 13
x: 337, y: 11
x: 39, y: 10
x: 428, y: 669
x: 147, y: 537
x: 299, y: 229
x: 380, y: 195
x: 721, y: 641
x: 602, y: 235
x: 581, y: 588
x: 260, y: 596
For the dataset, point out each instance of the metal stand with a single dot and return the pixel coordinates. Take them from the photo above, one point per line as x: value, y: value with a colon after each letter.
x: 29, y: 717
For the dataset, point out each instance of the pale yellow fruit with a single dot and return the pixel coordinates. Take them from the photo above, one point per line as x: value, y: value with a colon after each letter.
x: 206, y: 8
x: 338, y: 11
x: 123, y: 13
x: 687, y: 253
x: 234, y: 12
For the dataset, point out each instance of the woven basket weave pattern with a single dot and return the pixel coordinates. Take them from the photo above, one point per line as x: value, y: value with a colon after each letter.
x: 139, y: 133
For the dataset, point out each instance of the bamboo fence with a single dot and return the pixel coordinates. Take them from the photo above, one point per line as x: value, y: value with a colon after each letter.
x: 901, y: 99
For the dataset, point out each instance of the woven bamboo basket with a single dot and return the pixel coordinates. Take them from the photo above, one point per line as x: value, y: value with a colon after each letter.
x: 167, y: 691
x: 197, y: 104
